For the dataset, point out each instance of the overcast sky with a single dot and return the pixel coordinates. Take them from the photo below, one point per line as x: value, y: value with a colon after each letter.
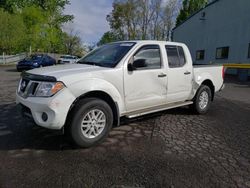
x: 90, y: 18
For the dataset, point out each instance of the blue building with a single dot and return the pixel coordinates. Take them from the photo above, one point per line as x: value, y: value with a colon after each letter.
x: 218, y: 33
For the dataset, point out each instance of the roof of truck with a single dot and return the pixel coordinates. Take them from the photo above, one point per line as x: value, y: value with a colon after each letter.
x: 150, y: 42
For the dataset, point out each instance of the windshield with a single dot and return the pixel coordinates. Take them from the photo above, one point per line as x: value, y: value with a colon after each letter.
x: 68, y: 57
x: 34, y: 57
x: 108, y: 55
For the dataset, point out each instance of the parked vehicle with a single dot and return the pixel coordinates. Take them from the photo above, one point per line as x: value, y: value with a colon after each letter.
x: 35, y: 61
x: 67, y: 59
x: 119, y: 79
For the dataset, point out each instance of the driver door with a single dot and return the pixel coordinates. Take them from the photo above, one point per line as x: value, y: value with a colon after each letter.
x: 146, y: 85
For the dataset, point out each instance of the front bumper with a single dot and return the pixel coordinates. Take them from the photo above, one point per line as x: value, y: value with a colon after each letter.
x: 26, y: 67
x: 56, y: 108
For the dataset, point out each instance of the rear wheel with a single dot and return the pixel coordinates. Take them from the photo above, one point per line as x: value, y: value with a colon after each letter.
x: 91, y: 122
x: 202, y: 100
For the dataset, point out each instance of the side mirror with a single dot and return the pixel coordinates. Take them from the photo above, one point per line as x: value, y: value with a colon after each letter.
x: 130, y: 67
x: 130, y: 64
x: 139, y: 63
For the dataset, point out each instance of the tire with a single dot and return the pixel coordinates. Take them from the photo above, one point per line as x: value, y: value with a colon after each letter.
x: 86, y: 129
x: 202, y: 100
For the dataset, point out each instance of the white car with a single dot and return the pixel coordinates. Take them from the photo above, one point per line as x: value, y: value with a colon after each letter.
x: 67, y: 59
x: 130, y: 78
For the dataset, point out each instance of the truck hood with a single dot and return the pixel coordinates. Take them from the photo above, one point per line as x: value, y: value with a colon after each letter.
x: 62, y: 71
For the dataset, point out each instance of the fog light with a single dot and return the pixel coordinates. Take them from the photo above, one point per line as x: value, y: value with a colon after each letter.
x: 44, y: 116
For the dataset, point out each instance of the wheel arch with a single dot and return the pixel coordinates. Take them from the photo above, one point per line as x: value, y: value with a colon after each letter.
x: 99, y: 95
x: 210, y: 84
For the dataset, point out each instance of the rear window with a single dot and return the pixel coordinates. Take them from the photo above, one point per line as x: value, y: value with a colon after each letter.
x: 176, y: 56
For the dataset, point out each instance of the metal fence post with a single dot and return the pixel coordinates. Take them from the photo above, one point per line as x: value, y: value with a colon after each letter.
x: 4, y: 58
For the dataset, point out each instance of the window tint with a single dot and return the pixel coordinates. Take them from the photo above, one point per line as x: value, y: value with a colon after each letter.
x: 176, y: 56
x: 148, y: 57
x: 222, y: 53
x: 200, y: 54
x: 181, y: 56
x: 173, y: 58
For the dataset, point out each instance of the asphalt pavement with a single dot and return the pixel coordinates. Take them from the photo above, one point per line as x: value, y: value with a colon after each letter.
x: 174, y: 148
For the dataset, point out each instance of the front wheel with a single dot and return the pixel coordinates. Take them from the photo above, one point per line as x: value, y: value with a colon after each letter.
x: 202, y: 100
x: 91, y: 122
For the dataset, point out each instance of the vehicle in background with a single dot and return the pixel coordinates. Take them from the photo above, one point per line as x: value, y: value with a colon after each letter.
x: 130, y: 79
x: 67, y: 59
x: 35, y: 61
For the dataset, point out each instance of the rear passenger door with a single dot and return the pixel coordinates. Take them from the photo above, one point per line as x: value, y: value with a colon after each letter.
x: 179, y: 74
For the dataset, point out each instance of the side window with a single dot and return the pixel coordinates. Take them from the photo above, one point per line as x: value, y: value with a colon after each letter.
x: 147, y: 57
x: 44, y: 58
x: 176, y: 56
x: 181, y: 56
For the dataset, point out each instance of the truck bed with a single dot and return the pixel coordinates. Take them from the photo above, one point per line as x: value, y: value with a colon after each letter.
x: 213, y: 72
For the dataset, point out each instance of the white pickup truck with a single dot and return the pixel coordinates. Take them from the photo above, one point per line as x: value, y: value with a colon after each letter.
x: 129, y: 78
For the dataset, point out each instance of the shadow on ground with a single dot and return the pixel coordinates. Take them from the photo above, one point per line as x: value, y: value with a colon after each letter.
x: 131, y: 156
x: 17, y: 133
x: 11, y: 70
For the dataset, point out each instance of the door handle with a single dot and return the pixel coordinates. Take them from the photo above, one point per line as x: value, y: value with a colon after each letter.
x: 162, y: 75
x: 187, y: 73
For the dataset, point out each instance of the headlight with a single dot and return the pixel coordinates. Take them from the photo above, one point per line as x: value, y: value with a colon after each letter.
x: 47, y: 89
x: 35, y: 64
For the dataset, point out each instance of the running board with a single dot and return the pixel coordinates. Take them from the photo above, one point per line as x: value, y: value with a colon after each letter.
x: 150, y: 110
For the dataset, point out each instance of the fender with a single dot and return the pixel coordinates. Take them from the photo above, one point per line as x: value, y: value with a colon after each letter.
x: 96, y: 84
x: 201, y: 78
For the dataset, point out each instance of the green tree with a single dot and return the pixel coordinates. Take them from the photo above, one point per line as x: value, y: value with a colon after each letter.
x: 189, y: 7
x: 12, y: 35
x: 42, y: 20
x: 72, y: 44
x: 142, y: 19
x: 107, y: 38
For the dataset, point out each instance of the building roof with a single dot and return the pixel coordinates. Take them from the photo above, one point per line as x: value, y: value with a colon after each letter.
x: 209, y: 4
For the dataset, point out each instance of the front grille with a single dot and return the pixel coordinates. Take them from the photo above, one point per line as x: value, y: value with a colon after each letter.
x: 27, y: 87
x: 23, y: 85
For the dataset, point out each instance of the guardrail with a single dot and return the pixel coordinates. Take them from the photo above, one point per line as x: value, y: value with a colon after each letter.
x: 7, y: 59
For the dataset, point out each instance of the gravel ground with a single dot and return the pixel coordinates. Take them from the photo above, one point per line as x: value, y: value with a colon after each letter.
x: 174, y: 148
